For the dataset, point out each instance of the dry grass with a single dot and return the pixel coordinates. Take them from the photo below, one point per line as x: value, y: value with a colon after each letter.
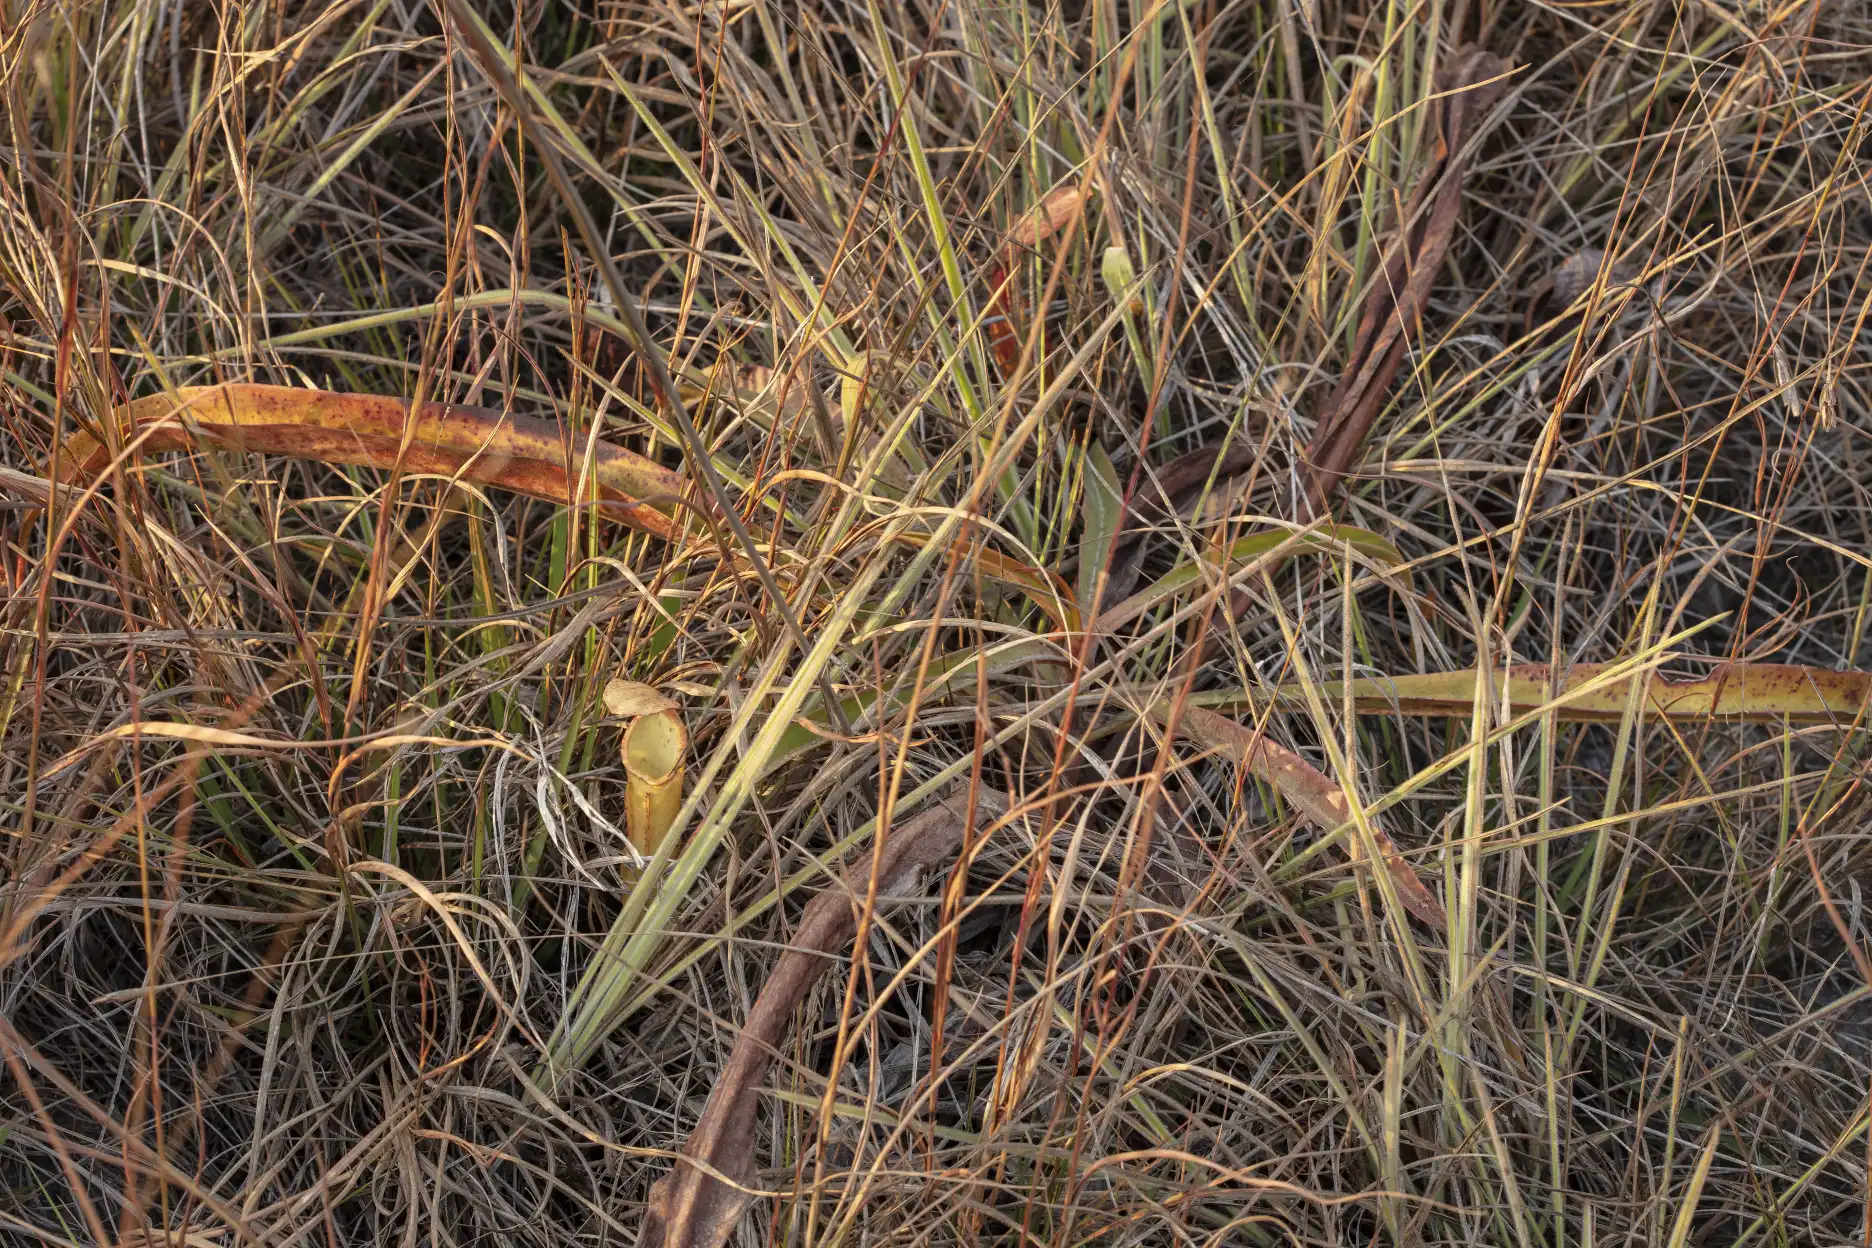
x: 328, y: 990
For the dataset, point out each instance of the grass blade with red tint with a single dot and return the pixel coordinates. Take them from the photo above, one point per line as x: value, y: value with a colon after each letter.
x: 699, y: 1203
x: 1401, y: 291
x: 475, y: 444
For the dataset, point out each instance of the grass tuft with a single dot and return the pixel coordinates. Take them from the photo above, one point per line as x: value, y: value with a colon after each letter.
x: 1158, y: 416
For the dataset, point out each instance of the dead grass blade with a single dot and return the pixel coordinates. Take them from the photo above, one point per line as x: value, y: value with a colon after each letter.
x: 510, y: 452
x: 1466, y: 90
x: 1174, y: 488
x: 1771, y: 693
x: 1308, y: 788
x: 699, y: 1202
x: 313, y: 821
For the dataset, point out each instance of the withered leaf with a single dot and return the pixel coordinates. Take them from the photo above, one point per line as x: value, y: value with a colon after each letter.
x: 691, y: 1207
x: 628, y: 698
x: 1310, y: 790
x: 512, y: 452
x: 1468, y: 88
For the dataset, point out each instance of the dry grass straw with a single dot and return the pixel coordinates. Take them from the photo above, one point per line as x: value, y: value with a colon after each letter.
x: 986, y: 341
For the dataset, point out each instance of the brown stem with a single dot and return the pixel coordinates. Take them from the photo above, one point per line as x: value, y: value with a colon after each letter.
x: 700, y: 1201
x: 1466, y: 90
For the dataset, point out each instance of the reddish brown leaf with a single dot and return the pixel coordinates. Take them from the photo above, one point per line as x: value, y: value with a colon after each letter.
x: 474, y: 444
x: 1048, y: 217
x: 1038, y: 224
x: 1173, y: 488
x: 690, y: 1207
x: 1310, y: 790
x: 1467, y: 89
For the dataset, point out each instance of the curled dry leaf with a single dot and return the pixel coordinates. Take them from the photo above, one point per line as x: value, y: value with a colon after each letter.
x: 475, y: 444
x: 1579, y: 271
x: 691, y: 1207
x: 628, y: 698
x: 1577, y: 274
x: 1745, y: 692
x: 1310, y: 790
x: 1048, y: 217
x: 1041, y: 222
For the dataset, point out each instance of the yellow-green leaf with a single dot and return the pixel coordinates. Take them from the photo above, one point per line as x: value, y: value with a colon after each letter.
x: 1743, y: 692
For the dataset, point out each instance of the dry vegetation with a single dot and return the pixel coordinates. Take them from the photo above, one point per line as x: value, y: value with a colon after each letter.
x: 1061, y: 402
